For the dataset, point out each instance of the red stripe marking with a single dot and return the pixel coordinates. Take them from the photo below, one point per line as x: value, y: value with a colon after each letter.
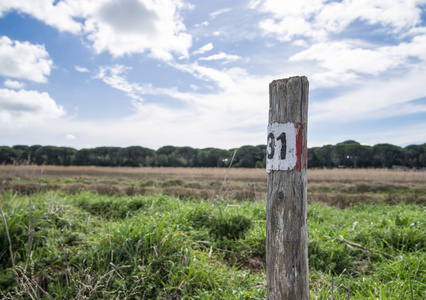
x: 299, y: 141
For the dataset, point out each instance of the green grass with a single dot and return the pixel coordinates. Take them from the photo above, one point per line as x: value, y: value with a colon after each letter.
x: 95, y: 246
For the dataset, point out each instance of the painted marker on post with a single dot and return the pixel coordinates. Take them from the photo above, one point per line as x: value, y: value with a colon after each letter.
x: 281, y: 147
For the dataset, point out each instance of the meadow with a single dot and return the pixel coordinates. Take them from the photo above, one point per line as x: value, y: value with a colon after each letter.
x: 182, y: 233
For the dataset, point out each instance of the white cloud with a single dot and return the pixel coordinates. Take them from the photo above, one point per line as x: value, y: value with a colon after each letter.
x: 318, y: 19
x: 70, y: 137
x: 24, y: 60
x: 204, y: 49
x: 342, y: 61
x: 14, y: 84
x: 373, y: 100
x: 329, y: 79
x: 337, y: 54
x: 300, y: 43
x: 221, y: 56
x: 194, y: 87
x: 232, y: 115
x: 119, y: 27
x: 203, y: 24
x: 239, y: 101
x: 81, y: 69
x: 395, y: 14
x: 289, y: 18
x: 60, y: 15
x: 27, y: 107
x: 215, y: 120
x: 116, y: 77
x: 342, y: 57
x: 219, y: 12
x: 136, y: 26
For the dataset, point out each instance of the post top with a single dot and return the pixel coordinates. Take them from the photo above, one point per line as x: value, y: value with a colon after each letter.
x: 276, y: 81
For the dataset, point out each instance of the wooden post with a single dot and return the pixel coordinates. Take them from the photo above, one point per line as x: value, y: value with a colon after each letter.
x: 286, y: 204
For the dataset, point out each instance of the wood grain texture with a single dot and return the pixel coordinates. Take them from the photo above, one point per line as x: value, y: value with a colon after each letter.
x: 286, y: 207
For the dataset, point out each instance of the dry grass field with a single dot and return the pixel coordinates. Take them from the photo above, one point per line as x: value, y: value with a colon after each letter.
x: 341, y: 187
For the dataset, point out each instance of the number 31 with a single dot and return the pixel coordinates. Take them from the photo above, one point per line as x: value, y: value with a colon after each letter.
x: 272, y: 145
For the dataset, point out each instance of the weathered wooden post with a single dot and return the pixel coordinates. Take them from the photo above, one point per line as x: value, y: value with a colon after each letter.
x: 286, y: 204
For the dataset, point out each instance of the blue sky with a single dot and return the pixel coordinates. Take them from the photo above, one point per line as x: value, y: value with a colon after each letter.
x: 88, y: 73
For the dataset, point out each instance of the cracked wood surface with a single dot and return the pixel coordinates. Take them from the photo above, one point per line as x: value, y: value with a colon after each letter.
x: 286, y: 205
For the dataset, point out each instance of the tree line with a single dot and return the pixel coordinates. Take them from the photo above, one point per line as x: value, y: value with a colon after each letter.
x: 346, y: 154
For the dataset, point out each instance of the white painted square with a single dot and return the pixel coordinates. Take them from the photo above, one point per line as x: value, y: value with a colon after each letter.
x: 274, y: 159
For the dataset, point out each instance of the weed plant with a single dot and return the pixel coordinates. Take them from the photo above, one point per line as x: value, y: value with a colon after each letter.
x: 92, y: 246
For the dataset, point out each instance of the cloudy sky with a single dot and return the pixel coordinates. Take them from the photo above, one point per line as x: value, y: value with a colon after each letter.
x: 88, y: 73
